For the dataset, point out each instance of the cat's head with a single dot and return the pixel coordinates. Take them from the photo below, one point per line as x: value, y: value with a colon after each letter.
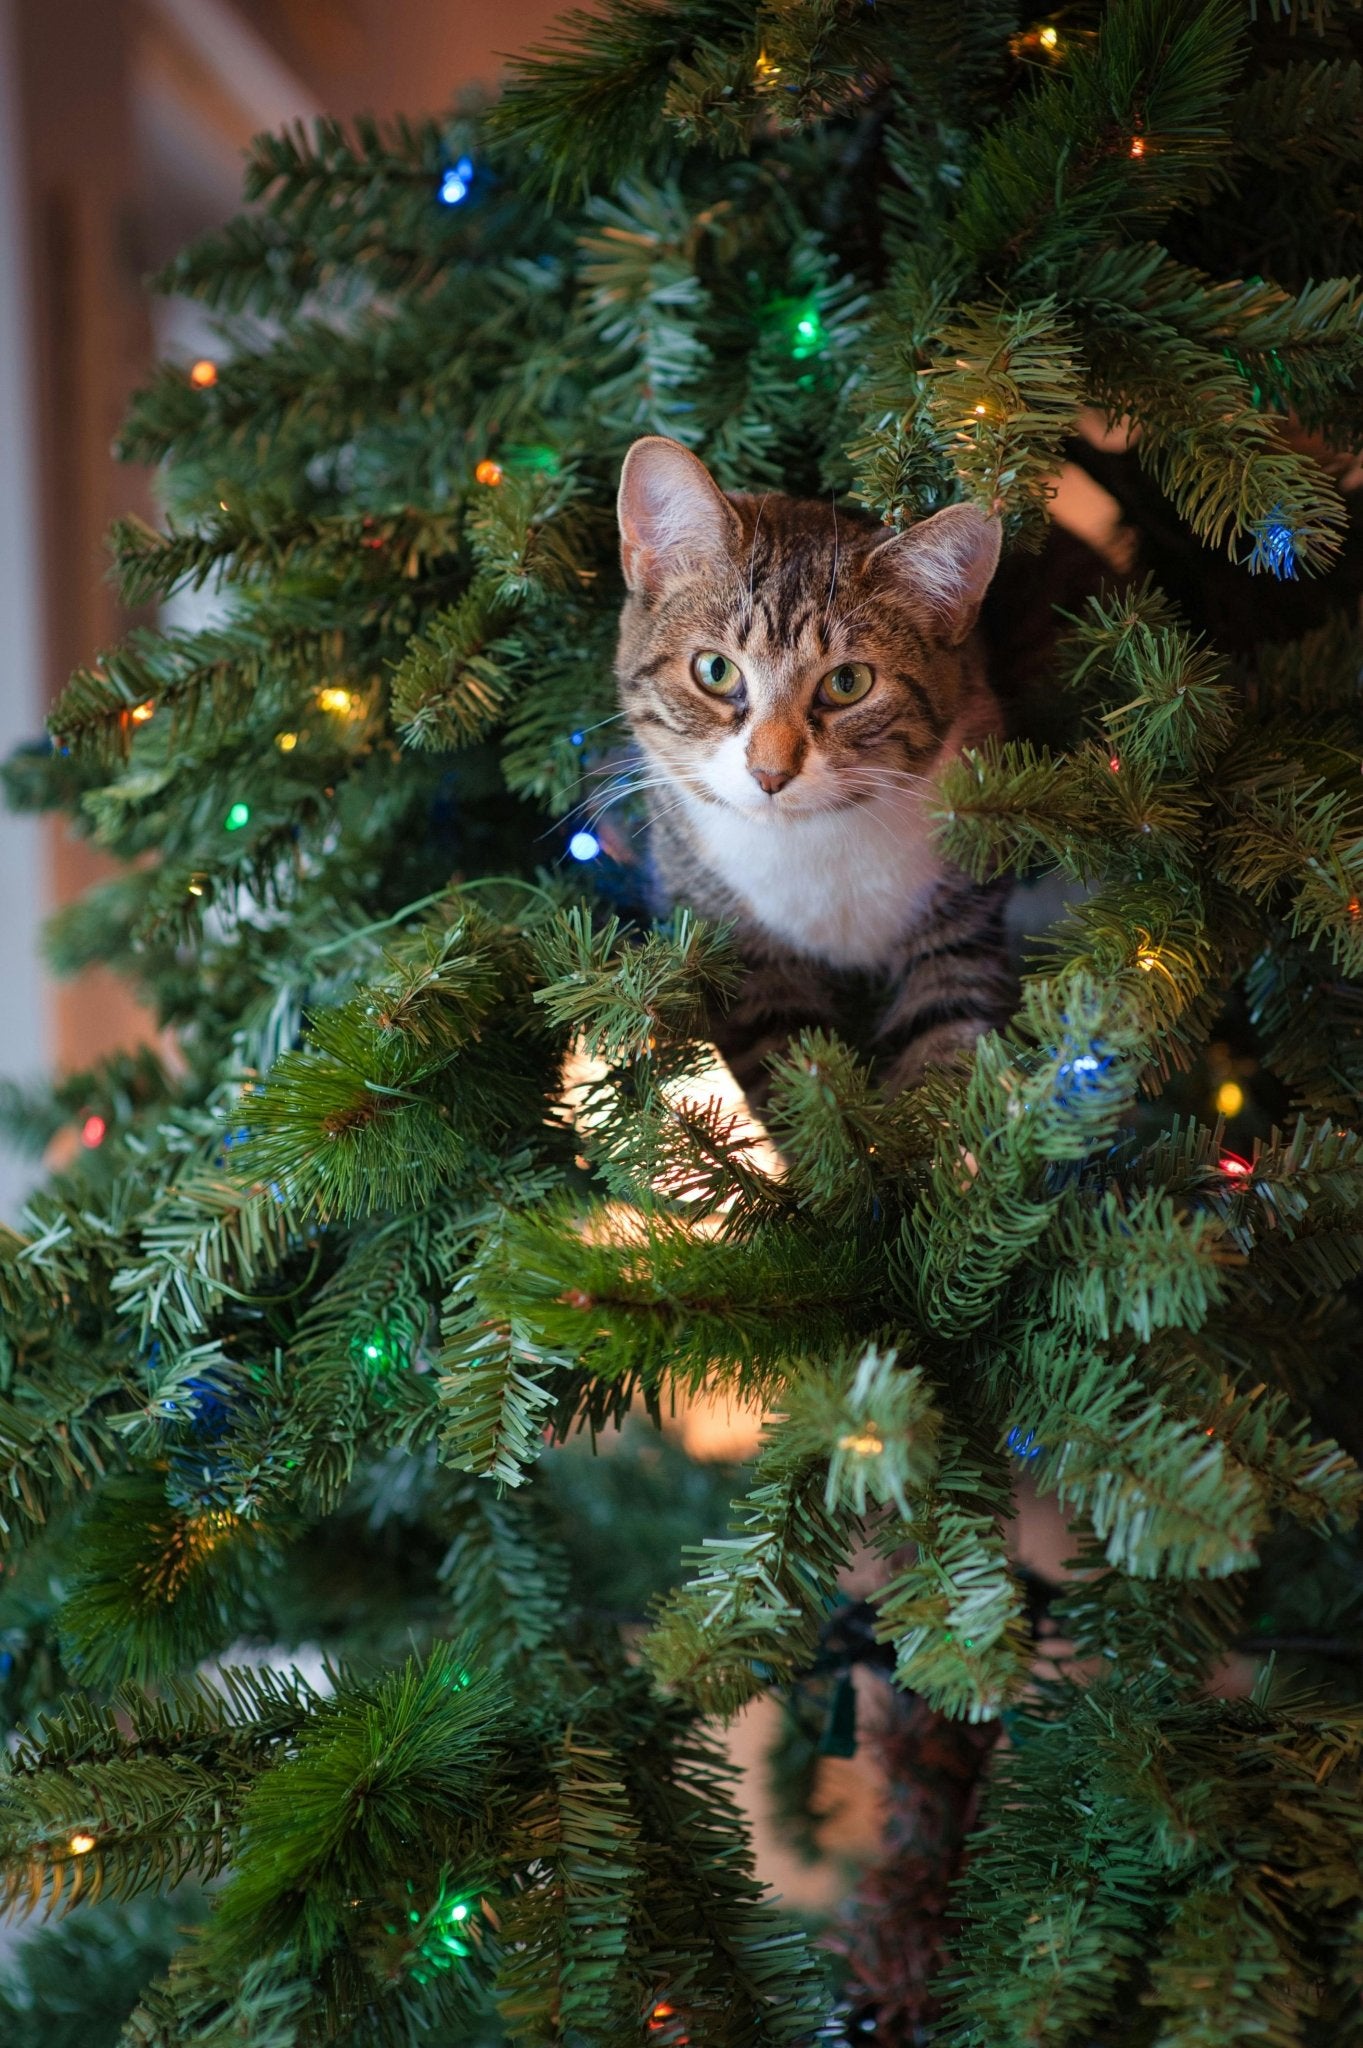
x: 782, y: 658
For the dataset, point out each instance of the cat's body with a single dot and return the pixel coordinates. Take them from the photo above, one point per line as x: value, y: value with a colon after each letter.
x: 795, y: 680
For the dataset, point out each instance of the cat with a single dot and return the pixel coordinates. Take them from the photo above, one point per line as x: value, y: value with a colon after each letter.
x: 795, y: 678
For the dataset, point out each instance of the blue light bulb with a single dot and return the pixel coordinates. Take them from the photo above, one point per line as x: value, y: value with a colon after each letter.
x: 584, y: 846
x: 575, y: 739
x: 456, y: 182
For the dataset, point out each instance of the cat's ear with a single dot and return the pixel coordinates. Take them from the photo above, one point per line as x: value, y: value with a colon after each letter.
x: 673, y: 514
x: 947, y: 562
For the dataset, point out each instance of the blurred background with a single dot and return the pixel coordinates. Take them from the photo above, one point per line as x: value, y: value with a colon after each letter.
x: 122, y: 124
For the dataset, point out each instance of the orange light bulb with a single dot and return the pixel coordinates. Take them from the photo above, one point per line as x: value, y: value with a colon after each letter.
x: 488, y: 471
x: 203, y: 375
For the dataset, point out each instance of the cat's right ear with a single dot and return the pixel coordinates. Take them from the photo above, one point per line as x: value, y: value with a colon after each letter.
x: 673, y: 515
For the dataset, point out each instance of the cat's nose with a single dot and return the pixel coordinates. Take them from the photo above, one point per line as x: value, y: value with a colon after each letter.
x: 771, y: 779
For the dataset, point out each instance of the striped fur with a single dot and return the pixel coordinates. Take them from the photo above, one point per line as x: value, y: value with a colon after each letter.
x: 803, y: 821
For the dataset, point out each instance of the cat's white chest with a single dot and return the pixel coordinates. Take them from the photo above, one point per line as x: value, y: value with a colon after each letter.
x: 844, y: 887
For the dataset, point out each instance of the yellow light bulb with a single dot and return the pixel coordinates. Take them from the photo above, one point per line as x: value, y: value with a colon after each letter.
x: 1230, y: 1098
x: 140, y: 713
x: 867, y: 1445
x: 286, y: 741
x: 1048, y: 37
x: 1147, y: 960
x: 81, y: 1845
x: 333, y: 699
x: 488, y: 471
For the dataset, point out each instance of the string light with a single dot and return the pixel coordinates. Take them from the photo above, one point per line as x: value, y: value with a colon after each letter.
x: 584, y: 846
x: 1231, y: 1163
x: 81, y: 1845
x: 488, y: 471
x: 1023, y: 1444
x: 1048, y: 37
x: 239, y: 815
x: 286, y: 741
x: 1230, y: 1098
x: 866, y: 1446
x: 457, y: 182
x: 140, y: 713
x: 981, y: 411
x: 764, y: 69
x: 1147, y: 960
x: 1275, y: 546
x: 809, y: 333
x: 575, y: 739
x: 203, y: 375
x: 195, y: 885
x: 1137, y: 145
x: 342, y: 702
x: 1114, y: 762
x: 92, y: 1131
x: 1354, y: 906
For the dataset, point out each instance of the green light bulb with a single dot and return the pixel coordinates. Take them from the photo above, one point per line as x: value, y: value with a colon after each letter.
x: 238, y: 816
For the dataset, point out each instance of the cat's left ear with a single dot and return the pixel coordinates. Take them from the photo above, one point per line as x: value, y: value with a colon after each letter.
x: 946, y: 562
x: 673, y: 515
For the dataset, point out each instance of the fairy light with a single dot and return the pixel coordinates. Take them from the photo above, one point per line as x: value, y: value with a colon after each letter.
x: 1231, y: 1163
x: 981, y: 412
x: 1354, y: 906
x: 1230, y: 1098
x: 764, y: 69
x: 337, y: 700
x: 1147, y: 959
x: 81, y: 1844
x: 489, y: 472
x: 239, y: 815
x: 1137, y: 145
x: 92, y: 1131
x: 457, y: 182
x: 867, y: 1445
x: 1114, y: 762
x: 1048, y: 37
x: 140, y: 713
x: 203, y: 375
x: 286, y: 741
x: 195, y: 885
x: 584, y: 846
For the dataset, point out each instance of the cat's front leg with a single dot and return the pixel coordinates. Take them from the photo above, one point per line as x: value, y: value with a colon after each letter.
x: 779, y: 995
x: 953, y: 983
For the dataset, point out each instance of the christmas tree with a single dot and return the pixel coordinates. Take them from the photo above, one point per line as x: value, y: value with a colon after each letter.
x: 309, y: 1346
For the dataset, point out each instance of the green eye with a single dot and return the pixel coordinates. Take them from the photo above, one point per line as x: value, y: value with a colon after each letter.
x: 848, y: 684
x: 716, y: 673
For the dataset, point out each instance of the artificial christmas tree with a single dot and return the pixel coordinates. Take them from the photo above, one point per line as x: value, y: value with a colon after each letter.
x: 303, y: 1350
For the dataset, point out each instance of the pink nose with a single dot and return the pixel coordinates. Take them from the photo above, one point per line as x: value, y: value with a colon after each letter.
x: 772, y: 779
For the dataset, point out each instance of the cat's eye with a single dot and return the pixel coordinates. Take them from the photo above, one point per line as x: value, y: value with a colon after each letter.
x: 847, y: 684
x: 715, y: 673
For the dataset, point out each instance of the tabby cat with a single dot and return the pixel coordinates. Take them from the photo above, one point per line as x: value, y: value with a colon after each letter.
x: 795, y: 679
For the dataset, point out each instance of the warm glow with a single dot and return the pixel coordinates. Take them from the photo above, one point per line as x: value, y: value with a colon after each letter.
x: 488, y: 472
x: 1147, y: 960
x: 867, y: 1446
x: 81, y: 1845
x: 1048, y: 37
x: 1137, y: 145
x: 92, y: 1131
x: 1230, y: 1098
x: 981, y: 412
x: 203, y: 374
x: 333, y: 699
x: 764, y: 68
x: 140, y: 713
x: 196, y: 887
x: 286, y: 741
